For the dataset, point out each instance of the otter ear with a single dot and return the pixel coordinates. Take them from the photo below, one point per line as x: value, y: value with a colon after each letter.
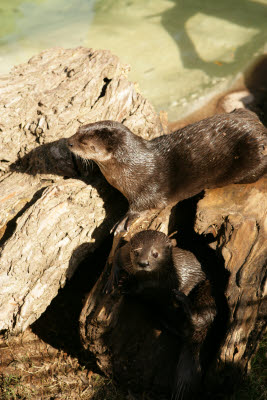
x: 173, y: 242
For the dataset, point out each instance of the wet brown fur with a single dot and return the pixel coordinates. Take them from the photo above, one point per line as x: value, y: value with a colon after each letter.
x: 151, y: 258
x: 217, y: 151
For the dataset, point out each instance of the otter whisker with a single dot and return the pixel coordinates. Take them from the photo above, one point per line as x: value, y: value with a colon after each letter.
x: 85, y: 161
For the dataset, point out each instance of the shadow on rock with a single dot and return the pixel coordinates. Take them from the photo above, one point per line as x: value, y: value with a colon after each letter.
x: 59, y: 324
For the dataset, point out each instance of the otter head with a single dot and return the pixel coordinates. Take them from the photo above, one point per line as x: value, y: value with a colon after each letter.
x: 150, y: 251
x: 98, y: 141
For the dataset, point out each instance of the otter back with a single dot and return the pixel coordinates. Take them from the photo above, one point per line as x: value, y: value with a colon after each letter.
x: 217, y: 151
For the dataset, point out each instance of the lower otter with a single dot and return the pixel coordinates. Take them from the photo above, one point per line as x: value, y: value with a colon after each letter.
x: 217, y: 151
x: 153, y: 261
x: 171, y: 282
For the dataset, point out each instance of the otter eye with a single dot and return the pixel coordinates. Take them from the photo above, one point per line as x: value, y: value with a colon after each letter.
x: 92, y: 148
x: 155, y: 254
x: 136, y: 253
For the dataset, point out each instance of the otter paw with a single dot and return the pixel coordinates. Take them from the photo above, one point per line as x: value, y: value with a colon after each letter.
x: 124, y: 223
x: 179, y: 296
x: 109, y: 286
x: 181, y: 300
x: 120, y: 226
x: 125, y: 285
x: 112, y: 281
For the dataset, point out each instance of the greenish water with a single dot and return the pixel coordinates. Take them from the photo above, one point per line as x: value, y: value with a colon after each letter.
x: 178, y: 50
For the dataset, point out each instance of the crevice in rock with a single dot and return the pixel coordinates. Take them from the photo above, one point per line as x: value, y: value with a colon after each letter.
x: 12, y: 224
x: 239, y: 273
x: 3, y: 334
x: 257, y: 334
x: 103, y: 90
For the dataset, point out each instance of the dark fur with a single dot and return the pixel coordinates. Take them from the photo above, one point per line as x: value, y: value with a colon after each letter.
x: 176, y: 290
x: 173, y: 267
x: 223, y: 149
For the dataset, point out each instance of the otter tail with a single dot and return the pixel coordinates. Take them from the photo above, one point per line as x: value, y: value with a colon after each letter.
x: 188, y: 376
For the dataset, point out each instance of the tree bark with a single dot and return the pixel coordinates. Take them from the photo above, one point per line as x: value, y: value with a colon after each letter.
x: 130, y: 346
x: 48, y: 220
x: 238, y: 215
x: 127, y: 343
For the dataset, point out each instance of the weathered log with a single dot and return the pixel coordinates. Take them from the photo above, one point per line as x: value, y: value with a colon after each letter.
x: 127, y: 343
x: 130, y: 346
x: 238, y: 215
x: 47, y: 223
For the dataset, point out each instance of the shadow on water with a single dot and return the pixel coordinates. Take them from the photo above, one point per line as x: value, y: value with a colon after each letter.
x: 243, y: 13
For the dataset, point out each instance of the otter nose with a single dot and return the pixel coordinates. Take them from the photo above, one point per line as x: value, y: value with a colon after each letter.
x: 143, y: 263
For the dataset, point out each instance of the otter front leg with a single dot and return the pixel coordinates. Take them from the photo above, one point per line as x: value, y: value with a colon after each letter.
x: 182, y: 300
x: 128, y: 285
x: 124, y: 223
x: 176, y: 316
x: 120, y: 258
x: 146, y: 291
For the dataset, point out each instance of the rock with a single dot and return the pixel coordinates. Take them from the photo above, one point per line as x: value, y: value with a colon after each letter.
x: 48, y: 223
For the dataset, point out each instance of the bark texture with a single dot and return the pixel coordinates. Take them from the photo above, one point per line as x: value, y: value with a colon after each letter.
x: 48, y: 223
x: 130, y: 346
x: 238, y: 216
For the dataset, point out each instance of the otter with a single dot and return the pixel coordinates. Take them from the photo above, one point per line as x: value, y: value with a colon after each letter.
x: 170, y: 281
x: 217, y: 151
x: 153, y: 261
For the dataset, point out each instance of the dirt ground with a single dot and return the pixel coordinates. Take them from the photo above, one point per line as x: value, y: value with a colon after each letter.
x: 47, y: 360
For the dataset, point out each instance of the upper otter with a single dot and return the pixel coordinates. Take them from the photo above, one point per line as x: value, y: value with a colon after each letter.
x: 223, y: 149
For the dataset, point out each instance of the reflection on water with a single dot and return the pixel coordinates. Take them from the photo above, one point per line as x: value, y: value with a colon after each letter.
x: 178, y: 49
